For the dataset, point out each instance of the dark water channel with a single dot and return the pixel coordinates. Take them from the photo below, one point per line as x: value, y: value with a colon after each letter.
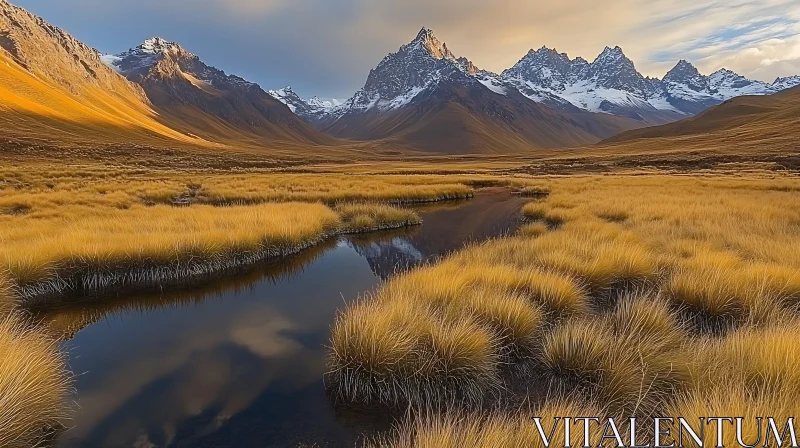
x: 239, y: 363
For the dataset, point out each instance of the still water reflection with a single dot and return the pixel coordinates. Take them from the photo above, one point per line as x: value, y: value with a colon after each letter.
x: 239, y: 363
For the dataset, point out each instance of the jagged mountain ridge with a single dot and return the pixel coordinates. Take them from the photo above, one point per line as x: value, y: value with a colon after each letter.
x: 426, y: 97
x: 610, y: 84
x: 190, y: 91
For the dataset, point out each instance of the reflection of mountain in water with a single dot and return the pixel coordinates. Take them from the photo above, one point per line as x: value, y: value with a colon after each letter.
x: 444, y: 229
x: 387, y: 257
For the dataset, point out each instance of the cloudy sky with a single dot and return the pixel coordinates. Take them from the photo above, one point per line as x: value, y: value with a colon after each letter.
x: 327, y: 47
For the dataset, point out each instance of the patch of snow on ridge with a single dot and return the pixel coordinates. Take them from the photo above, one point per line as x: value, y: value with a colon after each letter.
x: 493, y: 85
x: 110, y: 60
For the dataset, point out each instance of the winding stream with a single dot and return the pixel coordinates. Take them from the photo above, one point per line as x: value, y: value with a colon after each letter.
x: 239, y: 363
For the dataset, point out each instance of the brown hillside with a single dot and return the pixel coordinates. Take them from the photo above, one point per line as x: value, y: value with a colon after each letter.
x: 459, y: 119
x: 225, y: 109
x: 744, y: 123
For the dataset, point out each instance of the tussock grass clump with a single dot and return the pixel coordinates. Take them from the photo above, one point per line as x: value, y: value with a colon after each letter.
x: 451, y: 328
x: 533, y: 230
x: 34, y: 386
x: 751, y: 372
x: 495, y: 430
x: 401, y: 352
x: 534, y: 191
x: 723, y: 290
x: 613, y: 215
x: 757, y: 358
x: 558, y: 294
x: 366, y: 217
x: 534, y: 211
x: 553, y: 217
x: 630, y: 361
x: 599, y: 254
x: 734, y: 400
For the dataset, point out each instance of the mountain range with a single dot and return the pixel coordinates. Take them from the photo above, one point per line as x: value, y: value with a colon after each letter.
x: 420, y: 98
x: 610, y: 84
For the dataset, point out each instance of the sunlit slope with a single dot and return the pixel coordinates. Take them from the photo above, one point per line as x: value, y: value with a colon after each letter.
x: 56, y: 90
x: 744, y: 124
x: 33, y: 106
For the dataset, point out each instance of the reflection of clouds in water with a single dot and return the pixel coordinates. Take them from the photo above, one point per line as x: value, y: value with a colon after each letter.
x: 199, y: 373
x: 144, y: 442
x: 264, y: 338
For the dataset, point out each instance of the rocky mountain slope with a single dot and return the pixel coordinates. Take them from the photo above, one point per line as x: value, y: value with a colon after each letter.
x: 195, y: 94
x: 611, y: 84
x: 426, y: 97
x: 52, y: 86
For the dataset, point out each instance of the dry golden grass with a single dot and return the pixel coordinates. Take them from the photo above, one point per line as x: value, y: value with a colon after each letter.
x: 630, y: 361
x: 752, y: 372
x: 141, y: 242
x: 41, y: 187
x: 34, y: 385
x: 407, y: 352
x: 366, y: 217
x: 83, y: 248
x: 59, y: 222
x: 702, y: 251
x: 496, y: 430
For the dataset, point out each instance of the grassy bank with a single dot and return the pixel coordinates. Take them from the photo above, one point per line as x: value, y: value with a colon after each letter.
x: 89, y: 250
x: 629, y: 290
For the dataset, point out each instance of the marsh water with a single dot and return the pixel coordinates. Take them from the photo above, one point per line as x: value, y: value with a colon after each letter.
x: 239, y: 363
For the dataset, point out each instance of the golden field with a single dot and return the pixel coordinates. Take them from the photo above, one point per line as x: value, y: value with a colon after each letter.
x: 93, y: 234
x: 660, y: 277
x: 643, y: 293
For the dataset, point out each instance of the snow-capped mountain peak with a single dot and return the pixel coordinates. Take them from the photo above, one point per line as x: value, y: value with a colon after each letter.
x: 141, y: 58
x: 156, y: 45
x: 415, y: 68
x: 730, y: 84
x: 684, y: 73
x: 428, y: 42
x: 683, y: 70
x: 609, y: 52
x: 613, y: 70
x: 786, y: 83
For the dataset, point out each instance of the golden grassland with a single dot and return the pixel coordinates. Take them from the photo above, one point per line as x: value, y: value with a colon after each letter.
x: 627, y: 288
x: 92, y: 249
x: 497, y: 430
x: 102, y: 247
x: 652, y: 295
x: 34, y: 380
x: 87, y: 227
